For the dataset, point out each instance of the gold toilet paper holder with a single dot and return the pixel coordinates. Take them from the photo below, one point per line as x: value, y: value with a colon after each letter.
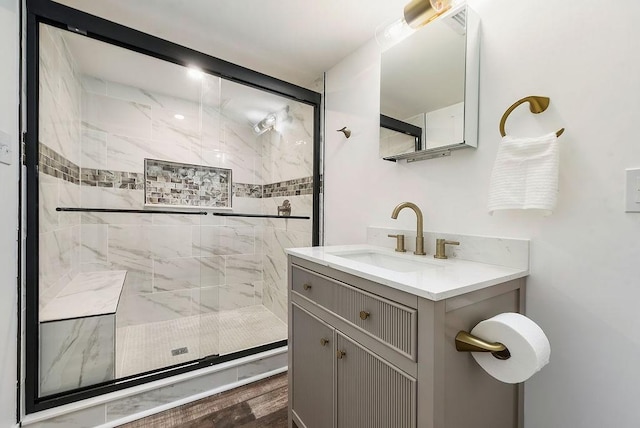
x: 467, y: 342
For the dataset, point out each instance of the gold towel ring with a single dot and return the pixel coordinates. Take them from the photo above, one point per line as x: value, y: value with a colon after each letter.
x: 536, y: 105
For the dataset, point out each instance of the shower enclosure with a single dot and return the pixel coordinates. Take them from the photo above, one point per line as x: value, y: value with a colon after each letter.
x: 160, y: 199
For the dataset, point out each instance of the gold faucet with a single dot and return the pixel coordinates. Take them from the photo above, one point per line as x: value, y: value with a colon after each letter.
x: 399, y: 243
x: 419, y: 233
x: 440, y: 252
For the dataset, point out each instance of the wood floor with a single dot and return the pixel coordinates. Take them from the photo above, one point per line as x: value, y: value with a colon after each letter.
x: 261, y: 404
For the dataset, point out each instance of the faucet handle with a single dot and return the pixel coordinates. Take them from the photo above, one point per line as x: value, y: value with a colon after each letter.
x: 440, y: 248
x: 399, y: 243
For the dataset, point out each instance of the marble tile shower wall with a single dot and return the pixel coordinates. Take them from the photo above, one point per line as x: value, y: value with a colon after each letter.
x: 177, y: 265
x: 279, y: 234
x: 287, y: 155
x: 189, y: 265
x: 59, y: 130
x: 122, y: 125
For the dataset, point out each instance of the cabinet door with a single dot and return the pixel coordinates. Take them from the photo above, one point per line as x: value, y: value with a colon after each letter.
x: 313, y: 356
x: 371, y: 392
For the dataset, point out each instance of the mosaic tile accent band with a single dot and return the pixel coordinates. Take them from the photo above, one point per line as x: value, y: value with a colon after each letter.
x: 299, y: 186
x: 56, y: 165
x: 179, y: 184
x: 243, y: 190
x: 114, y: 179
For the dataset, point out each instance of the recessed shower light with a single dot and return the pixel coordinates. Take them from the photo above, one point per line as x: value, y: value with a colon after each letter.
x: 178, y: 116
x: 195, y: 73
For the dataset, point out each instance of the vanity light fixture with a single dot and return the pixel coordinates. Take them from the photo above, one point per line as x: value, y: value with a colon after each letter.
x: 417, y: 13
x: 391, y: 33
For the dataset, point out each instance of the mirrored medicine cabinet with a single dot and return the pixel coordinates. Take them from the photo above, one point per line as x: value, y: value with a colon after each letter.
x: 429, y: 89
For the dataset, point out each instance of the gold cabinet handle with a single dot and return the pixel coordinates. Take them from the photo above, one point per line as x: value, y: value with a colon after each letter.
x: 364, y: 315
x: 340, y: 354
x: 324, y: 341
x: 307, y: 286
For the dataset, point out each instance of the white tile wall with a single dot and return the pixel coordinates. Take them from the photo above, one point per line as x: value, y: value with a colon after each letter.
x: 116, y: 116
x: 95, y: 240
x: 177, y: 266
x: 277, y: 235
x: 76, y: 352
x: 287, y: 152
x: 176, y: 273
x: 60, y: 130
x: 59, y: 96
x: 94, y: 149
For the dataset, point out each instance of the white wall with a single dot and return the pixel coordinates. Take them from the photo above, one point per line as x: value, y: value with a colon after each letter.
x: 583, y: 286
x: 8, y: 211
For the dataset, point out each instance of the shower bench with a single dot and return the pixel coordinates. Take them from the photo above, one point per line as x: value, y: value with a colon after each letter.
x: 78, y: 332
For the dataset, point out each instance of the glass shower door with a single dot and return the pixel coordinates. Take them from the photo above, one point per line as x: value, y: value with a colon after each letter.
x: 166, y: 198
x: 267, y: 141
x: 124, y: 193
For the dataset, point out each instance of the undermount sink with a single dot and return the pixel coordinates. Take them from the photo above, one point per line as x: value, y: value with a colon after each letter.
x: 398, y: 263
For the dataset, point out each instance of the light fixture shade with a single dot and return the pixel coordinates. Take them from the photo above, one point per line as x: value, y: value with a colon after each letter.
x: 392, y: 32
x: 420, y: 12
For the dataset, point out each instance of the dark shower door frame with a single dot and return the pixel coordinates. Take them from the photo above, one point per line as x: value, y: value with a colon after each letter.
x: 60, y: 16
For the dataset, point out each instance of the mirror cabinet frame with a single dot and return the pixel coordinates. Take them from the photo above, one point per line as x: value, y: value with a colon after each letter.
x: 471, y: 93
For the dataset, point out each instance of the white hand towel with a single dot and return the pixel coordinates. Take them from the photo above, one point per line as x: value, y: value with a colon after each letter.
x: 525, y: 174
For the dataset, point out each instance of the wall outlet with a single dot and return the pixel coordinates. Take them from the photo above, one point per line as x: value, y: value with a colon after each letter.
x: 5, y: 148
x: 632, y: 193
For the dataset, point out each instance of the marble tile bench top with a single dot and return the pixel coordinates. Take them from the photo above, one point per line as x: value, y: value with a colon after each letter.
x: 88, y: 294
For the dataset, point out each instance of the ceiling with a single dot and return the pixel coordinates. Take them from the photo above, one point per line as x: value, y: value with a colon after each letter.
x: 293, y: 40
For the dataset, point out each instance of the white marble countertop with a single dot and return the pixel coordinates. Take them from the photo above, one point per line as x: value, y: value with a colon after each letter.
x: 440, y: 279
x: 88, y: 294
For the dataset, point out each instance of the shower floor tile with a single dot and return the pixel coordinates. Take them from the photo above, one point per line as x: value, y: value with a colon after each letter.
x: 144, y: 347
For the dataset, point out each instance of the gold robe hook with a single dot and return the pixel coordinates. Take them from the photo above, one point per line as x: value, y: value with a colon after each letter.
x: 345, y: 131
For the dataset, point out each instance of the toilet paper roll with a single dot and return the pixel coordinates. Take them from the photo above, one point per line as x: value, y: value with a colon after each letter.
x: 527, y: 343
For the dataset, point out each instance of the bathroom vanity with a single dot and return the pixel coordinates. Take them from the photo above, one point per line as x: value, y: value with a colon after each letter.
x: 371, y: 339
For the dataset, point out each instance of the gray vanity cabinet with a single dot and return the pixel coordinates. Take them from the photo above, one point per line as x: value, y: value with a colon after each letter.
x: 313, y: 344
x: 365, y: 355
x: 366, y: 390
x: 370, y: 391
x: 335, y: 380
